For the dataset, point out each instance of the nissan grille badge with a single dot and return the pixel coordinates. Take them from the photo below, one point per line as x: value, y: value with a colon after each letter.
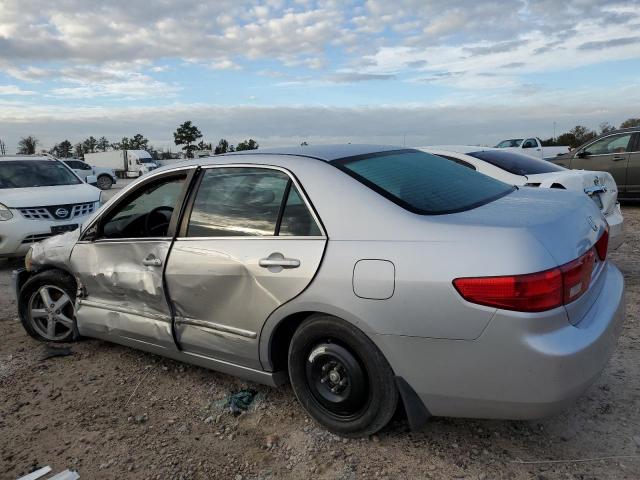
x: 63, y: 213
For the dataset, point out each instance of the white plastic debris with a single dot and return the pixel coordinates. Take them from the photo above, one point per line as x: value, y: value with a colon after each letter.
x: 37, y: 474
x: 66, y: 475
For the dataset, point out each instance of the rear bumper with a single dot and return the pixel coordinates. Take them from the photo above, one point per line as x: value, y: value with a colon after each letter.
x: 616, y: 222
x: 523, y: 366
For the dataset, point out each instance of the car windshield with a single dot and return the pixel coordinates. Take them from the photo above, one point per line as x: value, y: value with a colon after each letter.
x: 423, y: 183
x: 35, y: 173
x: 516, y: 163
x: 146, y: 160
x: 514, y: 142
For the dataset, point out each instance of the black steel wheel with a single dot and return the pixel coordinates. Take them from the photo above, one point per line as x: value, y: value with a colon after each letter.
x: 341, y: 378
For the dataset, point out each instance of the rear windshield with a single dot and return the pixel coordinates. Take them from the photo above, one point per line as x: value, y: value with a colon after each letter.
x: 35, y: 173
x: 423, y: 183
x: 516, y: 163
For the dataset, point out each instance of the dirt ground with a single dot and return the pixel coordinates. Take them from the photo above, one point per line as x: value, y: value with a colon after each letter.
x: 112, y: 412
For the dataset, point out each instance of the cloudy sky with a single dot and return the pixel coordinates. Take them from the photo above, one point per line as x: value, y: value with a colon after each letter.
x: 414, y: 71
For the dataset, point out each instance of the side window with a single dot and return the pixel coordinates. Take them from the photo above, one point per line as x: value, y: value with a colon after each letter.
x: 84, y: 166
x: 530, y: 143
x: 296, y: 218
x: 71, y: 164
x: 237, y: 202
x: 608, y: 145
x: 147, y: 213
x: 249, y: 202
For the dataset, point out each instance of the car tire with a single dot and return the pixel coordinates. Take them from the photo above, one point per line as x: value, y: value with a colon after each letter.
x: 105, y: 182
x: 340, y: 377
x: 37, y: 318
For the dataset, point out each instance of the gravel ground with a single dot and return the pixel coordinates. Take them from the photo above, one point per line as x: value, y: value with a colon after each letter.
x: 112, y: 412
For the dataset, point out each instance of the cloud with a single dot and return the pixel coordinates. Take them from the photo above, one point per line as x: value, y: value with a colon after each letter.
x: 355, y: 77
x: 614, y: 42
x: 456, y: 119
x: 495, y: 47
x: 13, y: 90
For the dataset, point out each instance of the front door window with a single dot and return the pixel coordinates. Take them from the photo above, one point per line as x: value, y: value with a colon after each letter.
x: 609, y: 145
x: 147, y: 213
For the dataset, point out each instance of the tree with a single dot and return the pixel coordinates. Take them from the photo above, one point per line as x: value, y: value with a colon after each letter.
x: 138, y: 142
x: 222, y: 147
x: 582, y: 134
x: 124, y: 144
x: 630, y: 122
x: 103, y: 144
x: 204, y: 145
x: 250, y: 144
x: 567, y: 139
x: 186, y: 134
x: 606, y: 127
x: 78, y: 151
x: 63, y: 149
x: 27, y: 145
x: 89, y: 145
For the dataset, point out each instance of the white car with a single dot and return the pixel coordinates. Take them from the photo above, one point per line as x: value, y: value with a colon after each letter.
x: 523, y: 170
x: 532, y: 147
x: 106, y: 177
x: 40, y: 197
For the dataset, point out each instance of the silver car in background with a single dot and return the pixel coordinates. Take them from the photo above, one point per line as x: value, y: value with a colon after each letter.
x: 365, y: 275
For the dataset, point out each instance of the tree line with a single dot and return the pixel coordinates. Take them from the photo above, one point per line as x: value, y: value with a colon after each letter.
x: 185, y: 136
x: 580, y: 134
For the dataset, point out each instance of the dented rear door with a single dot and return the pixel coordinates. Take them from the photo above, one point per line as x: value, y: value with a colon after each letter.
x: 120, y: 262
x: 249, y: 243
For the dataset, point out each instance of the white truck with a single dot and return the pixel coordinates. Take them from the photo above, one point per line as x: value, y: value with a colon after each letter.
x: 126, y: 163
x: 532, y: 147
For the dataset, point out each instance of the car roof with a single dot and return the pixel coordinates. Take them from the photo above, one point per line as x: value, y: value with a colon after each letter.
x: 456, y: 148
x: 9, y: 158
x: 319, y: 152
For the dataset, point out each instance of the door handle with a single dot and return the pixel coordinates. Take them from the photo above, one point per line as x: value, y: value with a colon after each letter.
x: 618, y: 158
x: 279, y: 262
x: 152, y: 261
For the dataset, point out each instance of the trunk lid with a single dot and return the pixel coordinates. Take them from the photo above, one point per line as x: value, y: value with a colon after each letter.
x: 599, y: 186
x: 566, y: 223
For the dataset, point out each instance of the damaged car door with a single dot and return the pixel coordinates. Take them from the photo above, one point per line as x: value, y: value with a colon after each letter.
x: 120, y: 259
x: 248, y: 243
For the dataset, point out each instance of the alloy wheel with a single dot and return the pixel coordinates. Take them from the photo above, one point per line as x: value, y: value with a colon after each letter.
x: 51, y: 312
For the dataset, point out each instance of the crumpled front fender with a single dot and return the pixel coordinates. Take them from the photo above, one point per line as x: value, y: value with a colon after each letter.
x: 54, y: 251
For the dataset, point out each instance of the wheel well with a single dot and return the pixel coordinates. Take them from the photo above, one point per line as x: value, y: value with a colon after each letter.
x: 56, y: 269
x: 281, y: 338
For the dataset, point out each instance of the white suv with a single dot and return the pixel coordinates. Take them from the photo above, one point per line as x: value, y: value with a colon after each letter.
x: 40, y: 197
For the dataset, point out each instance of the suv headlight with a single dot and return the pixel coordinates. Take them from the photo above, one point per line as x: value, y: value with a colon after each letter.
x: 5, y: 213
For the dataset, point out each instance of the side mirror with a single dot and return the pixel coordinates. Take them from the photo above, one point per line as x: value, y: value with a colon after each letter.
x: 582, y: 154
x: 92, y: 180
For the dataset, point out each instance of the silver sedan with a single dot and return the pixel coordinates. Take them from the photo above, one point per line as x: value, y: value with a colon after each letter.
x: 364, y: 275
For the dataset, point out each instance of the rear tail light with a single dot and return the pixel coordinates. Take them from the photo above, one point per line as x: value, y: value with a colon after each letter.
x: 535, y: 292
x: 576, y: 276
